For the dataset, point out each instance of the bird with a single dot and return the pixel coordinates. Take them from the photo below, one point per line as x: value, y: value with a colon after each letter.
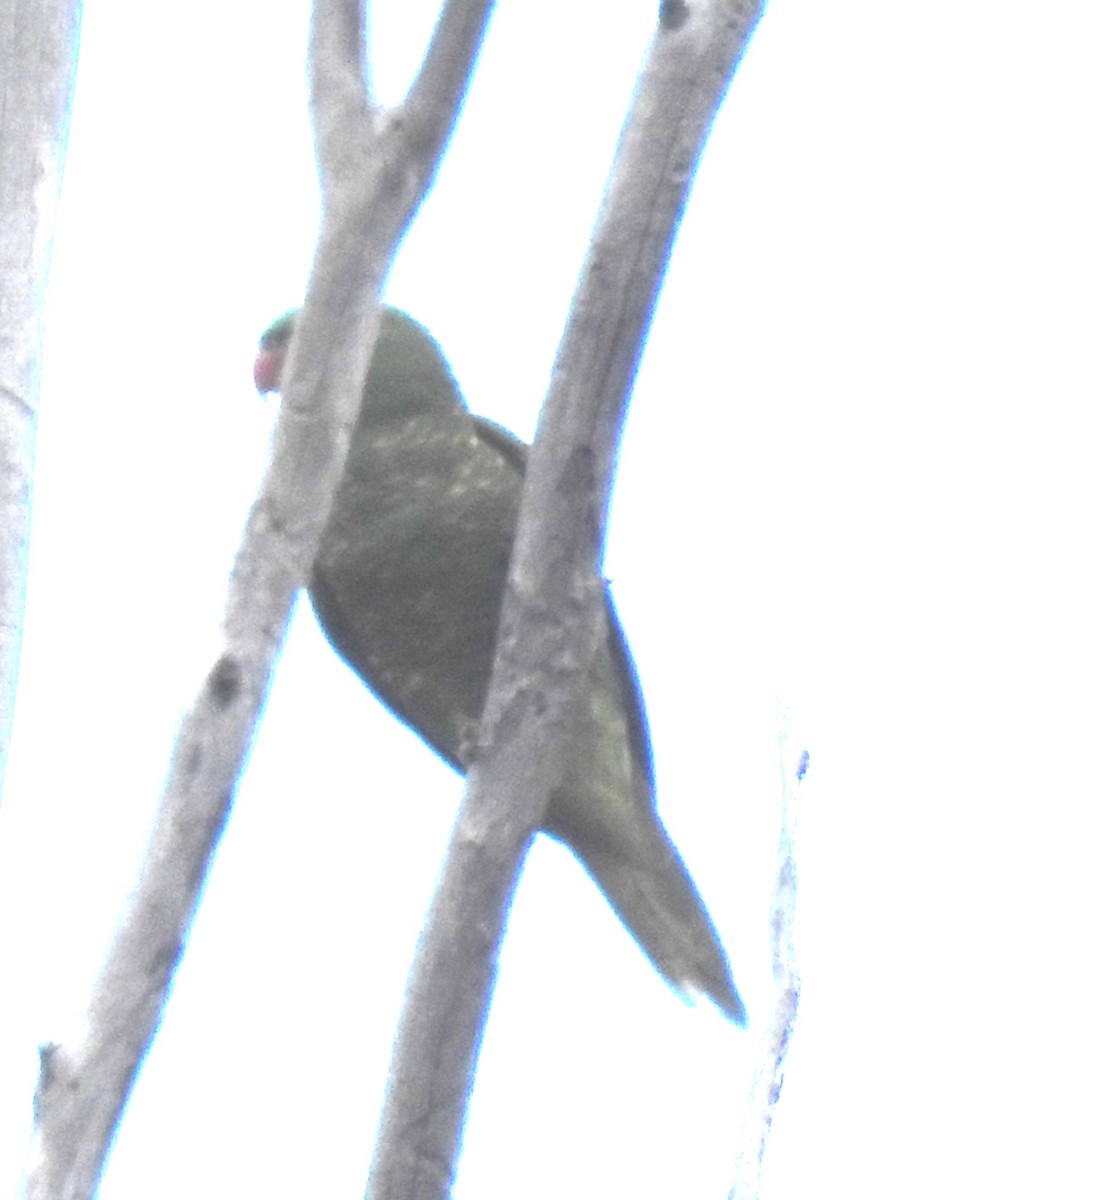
x: 408, y: 584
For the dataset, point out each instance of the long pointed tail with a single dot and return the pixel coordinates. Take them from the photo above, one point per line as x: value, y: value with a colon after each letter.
x: 650, y: 889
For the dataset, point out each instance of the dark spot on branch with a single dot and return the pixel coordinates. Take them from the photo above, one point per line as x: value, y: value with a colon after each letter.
x: 166, y: 958
x: 225, y: 681
x: 673, y: 13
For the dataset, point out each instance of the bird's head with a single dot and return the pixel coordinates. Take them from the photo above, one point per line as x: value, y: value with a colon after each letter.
x: 409, y: 373
x: 271, y: 350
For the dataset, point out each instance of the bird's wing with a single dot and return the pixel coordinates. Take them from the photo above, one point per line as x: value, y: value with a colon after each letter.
x: 508, y: 446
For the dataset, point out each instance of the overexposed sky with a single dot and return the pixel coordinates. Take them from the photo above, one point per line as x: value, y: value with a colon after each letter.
x: 863, y: 471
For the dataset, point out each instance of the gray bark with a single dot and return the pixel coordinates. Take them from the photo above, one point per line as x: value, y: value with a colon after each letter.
x: 549, y: 629
x: 38, y: 62
x: 375, y: 166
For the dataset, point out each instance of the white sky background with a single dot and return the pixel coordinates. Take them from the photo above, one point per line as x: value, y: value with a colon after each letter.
x: 863, y: 470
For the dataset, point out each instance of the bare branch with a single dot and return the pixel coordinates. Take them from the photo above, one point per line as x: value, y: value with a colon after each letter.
x: 444, y: 74
x: 373, y: 174
x: 552, y: 610
x: 38, y: 63
x: 768, y: 1083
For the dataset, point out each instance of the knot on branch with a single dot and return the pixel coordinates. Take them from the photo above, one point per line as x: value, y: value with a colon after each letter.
x: 673, y: 14
x: 225, y: 681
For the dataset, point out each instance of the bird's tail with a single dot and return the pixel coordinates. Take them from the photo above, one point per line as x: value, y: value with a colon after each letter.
x: 650, y: 889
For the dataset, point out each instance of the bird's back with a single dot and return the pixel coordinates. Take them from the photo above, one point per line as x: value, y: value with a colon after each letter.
x: 408, y: 586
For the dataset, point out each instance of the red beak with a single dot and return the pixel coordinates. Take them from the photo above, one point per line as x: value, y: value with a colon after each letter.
x: 266, y: 370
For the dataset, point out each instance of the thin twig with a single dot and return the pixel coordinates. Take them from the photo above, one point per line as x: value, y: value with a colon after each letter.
x: 767, y: 1084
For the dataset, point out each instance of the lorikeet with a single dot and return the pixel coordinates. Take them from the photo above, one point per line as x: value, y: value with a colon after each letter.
x: 408, y: 585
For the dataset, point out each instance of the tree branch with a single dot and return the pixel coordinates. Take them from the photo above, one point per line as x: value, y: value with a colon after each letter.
x: 38, y: 65
x: 374, y: 171
x: 768, y: 1083
x: 553, y: 605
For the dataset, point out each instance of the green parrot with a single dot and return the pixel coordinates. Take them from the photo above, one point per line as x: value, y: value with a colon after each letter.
x: 408, y: 585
